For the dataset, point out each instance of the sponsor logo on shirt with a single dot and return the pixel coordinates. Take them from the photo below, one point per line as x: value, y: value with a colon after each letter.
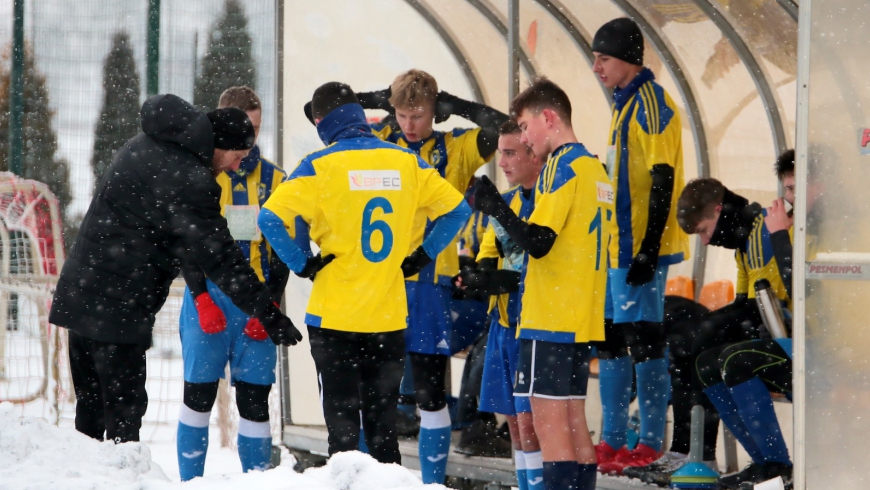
x: 605, y: 192
x: 375, y: 180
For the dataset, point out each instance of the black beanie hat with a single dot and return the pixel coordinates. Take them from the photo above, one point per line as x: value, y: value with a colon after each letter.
x: 620, y: 38
x: 232, y: 129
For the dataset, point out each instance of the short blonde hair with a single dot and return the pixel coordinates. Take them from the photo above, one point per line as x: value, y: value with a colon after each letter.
x: 242, y: 97
x: 413, y: 89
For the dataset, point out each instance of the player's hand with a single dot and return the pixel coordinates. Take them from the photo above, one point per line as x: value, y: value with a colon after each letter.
x: 469, y: 280
x: 777, y: 218
x: 487, y: 198
x: 415, y: 262
x: 211, y: 318
x: 279, y: 328
x: 314, y: 264
x: 443, y: 107
x: 254, y: 329
x: 643, y: 267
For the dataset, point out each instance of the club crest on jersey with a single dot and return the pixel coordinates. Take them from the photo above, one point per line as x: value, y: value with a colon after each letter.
x: 435, y: 157
x: 261, y: 192
x: 605, y: 192
x: 375, y: 180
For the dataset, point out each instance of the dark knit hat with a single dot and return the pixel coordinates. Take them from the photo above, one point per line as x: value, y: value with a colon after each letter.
x: 232, y: 129
x: 620, y: 38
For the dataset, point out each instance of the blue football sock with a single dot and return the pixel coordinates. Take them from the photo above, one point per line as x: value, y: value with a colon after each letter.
x: 756, y: 410
x: 362, y: 446
x: 535, y: 470
x: 653, y: 387
x: 255, y: 445
x: 192, y: 442
x: 587, y: 476
x: 434, y: 445
x: 614, y: 381
x: 520, y: 464
x: 720, y: 397
x: 561, y: 475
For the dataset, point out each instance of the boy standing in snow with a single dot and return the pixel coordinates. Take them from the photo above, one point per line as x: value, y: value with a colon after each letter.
x: 361, y: 197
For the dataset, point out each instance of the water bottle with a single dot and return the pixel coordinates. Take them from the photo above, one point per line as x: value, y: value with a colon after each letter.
x: 770, y: 309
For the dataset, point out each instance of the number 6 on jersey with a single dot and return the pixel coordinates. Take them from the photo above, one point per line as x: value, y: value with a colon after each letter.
x: 369, y: 227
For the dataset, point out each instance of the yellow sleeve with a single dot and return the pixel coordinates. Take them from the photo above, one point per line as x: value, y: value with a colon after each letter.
x: 437, y: 196
x: 470, y: 158
x: 488, y: 249
x: 553, y: 206
x: 296, y: 196
x: 660, y: 141
x: 742, y: 274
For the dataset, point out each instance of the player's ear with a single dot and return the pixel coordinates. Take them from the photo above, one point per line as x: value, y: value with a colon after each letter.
x: 317, y: 121
x: 549, y: 116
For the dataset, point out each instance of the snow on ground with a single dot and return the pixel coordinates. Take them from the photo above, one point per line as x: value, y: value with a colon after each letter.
x: 35, y: 455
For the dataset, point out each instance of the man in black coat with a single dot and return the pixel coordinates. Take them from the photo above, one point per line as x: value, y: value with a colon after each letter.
x: 157, y: 205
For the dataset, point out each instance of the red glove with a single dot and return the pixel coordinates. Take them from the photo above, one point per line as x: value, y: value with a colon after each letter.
x: 211, y: 318
x: 254, y: 329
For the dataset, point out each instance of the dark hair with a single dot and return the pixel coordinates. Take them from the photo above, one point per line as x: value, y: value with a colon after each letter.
x: 699, y: 198
x: 542, y: 94
x: 509, y: 127
x: 331, y: 96
x: 784, y: 164
x: 242, y: 97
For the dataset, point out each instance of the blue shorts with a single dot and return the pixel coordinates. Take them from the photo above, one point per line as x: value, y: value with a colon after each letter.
x: 627, y: 304
x: 552, y: 370
x: 429, y: 324
x: 206, y: 355
x: 470, y: 319
x: 499, y: 372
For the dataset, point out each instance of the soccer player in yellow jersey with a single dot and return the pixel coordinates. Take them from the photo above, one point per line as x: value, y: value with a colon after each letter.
x: 563, y: 283
x: 361, y: 197
x: 645, y: 164
x: 500, y: 263
x: 416, y: 102
x: 215, y: 332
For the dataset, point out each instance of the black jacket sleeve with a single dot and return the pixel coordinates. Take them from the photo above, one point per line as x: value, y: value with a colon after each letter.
x: 782, y: 253
x: 194, y: 216
x: 535, y: 239
x: 483, y: 115
x: 194, y: 278
x: 279, y: 273
x: 659, y: 206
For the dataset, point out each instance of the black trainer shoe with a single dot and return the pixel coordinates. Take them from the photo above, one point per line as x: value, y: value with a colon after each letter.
x: 407, y: 427
x: 769, y: 471
x: 482, y: 439
x: 732, y: 481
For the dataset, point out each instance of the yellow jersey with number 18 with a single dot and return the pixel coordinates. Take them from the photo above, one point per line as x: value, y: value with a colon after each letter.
x: 562, y: 293
x: 360, y: 197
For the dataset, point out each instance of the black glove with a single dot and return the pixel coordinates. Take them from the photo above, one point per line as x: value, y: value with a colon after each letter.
x: 379, y: 99
x: 313, y: 266
x: 415, y: 262
x: 643, y: 267
x: 487, y: 198
x: 443, y: 107
x: 279, y: 327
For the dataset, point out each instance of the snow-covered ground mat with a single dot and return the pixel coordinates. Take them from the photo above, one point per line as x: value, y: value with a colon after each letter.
x: 36, y: 455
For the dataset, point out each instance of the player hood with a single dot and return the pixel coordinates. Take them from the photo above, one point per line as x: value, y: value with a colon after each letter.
x: 347, y: 121
x: 735, y: 222
x: 170, y: 119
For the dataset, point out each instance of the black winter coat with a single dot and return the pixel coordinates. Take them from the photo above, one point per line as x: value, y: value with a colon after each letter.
x: 156, y: 206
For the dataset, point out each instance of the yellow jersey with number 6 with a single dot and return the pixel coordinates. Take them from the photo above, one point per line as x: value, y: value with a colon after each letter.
x: 360, y: 197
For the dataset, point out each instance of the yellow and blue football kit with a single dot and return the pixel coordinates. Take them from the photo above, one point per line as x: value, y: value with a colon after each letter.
x: 562, y: 293
x: 206, y: 355
x: 502, y: 346
x: 645, y: 132
x: 758, y: 262
x: 360, y: 197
